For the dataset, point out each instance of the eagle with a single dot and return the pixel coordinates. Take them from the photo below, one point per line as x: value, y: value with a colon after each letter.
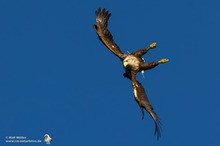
x: 132, y: 63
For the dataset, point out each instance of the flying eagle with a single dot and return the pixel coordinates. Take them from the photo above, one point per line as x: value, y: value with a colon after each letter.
x: 132, y: 62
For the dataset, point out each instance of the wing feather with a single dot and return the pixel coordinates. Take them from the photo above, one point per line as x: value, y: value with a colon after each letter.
x: 101, y: 27
x: 144, y: 103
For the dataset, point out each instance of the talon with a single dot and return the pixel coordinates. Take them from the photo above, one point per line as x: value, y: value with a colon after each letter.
x: 164, y: 60
x: 153, y: 45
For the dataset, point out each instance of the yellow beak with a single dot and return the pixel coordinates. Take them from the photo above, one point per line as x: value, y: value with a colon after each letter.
x: 125, y: 64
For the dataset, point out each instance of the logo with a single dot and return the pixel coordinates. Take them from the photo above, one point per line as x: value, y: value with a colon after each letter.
x: 47, y: 138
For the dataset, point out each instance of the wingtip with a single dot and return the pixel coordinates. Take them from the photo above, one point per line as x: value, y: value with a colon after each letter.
x: 103, y: 12
x: 158, y: 129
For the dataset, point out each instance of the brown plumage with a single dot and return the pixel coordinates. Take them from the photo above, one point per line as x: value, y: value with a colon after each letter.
x: 105, y: 36
x: 133, y: 63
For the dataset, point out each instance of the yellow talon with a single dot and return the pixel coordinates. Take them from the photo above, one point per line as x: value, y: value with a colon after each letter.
x: 153, y: 45
x: 164, y: 60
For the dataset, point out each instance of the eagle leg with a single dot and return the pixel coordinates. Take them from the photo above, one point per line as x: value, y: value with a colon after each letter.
x: 147, y: 66
x: 141, y: 52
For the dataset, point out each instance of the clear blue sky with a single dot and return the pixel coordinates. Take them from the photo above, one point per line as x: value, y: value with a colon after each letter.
x: 56, y: 77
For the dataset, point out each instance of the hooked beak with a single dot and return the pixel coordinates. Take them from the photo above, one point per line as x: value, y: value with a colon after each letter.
x: 125, y: 64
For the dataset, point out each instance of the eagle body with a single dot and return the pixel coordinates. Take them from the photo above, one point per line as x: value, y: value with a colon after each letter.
x: 132, y: 62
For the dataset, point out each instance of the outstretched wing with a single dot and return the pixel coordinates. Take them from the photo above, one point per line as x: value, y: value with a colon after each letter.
x: 144, y: 103
x: 104, y: 34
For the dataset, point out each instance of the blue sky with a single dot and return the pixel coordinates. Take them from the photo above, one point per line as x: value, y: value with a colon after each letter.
x: 56, y: 77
